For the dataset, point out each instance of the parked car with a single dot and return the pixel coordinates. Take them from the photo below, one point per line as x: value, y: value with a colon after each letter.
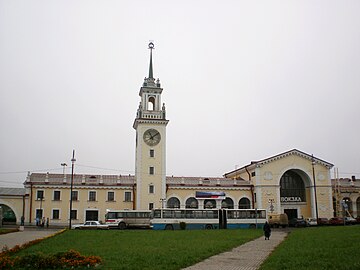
x: 297, y: 222
x: 350, y: 221
x: 358, y: 220
x: 322, y: 221
x: 90, y: 225
x: 336, y: 221
x: 311, y: 222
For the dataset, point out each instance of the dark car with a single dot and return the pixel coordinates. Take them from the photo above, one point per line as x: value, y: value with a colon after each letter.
x: 336, y: 221
x: 323, y: 221
x: 297, y: 222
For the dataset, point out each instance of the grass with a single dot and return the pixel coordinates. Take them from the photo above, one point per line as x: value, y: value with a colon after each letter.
x: 140, y: 249
x: 318, y: 248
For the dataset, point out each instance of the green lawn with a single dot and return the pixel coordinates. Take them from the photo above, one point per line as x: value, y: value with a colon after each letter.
x: 139, y: 249
x: 318, y: 248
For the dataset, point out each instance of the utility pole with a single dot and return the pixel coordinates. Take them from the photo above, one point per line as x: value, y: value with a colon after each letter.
x: 313, y: 171
x: 71, y: 185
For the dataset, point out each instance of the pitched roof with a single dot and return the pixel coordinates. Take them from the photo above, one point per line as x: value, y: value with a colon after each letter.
x: 282, y: 155
x: 12, y: 191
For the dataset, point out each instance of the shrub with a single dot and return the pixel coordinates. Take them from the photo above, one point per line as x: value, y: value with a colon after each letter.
x: 69, y: 259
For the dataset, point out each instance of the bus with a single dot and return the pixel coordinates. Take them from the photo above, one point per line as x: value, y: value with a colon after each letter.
x: 122, y: 219
x: 170, y: 219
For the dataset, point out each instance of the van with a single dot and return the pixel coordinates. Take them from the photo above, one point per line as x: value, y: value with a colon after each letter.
x: 278, y: 220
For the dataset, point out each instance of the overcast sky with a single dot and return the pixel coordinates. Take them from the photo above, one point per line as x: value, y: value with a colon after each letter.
x: 243, y: 81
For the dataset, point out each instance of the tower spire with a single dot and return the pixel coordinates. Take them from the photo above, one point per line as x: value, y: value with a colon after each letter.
x: 151, y: 47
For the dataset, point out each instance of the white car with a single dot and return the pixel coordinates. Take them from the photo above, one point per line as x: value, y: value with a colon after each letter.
x: 311, y: 222
x: 90, y: 225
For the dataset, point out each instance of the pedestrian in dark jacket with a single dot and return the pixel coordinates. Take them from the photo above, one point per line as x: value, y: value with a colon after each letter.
x: 267, y: 230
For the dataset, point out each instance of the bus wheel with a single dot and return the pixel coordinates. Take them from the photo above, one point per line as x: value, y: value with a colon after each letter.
x: 208, y: 227
x: 122, y: 226
x: 252, y: 226
x: 169, y: 227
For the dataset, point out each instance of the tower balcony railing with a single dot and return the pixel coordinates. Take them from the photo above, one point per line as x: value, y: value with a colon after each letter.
x: 153, y: 115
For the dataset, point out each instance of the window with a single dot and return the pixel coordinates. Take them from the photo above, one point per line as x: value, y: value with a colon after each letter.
x: 151, y: 206
x: 253, y: 174
x: 111, y: 196
x: 75, y: 196
x: 173, y: 203
x: 73, y: 214
x: 151, y: 189
x: 55, y: 214
x: 92, y: 196
x: 152, y: 152
x: 151, y: 170
x: 127, y: 196
x: 40, y: 195
x: 292, y: 185
x: 56, y: 195
x: 39, y: 213
x: 244, y: 203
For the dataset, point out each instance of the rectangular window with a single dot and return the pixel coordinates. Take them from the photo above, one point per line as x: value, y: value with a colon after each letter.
x: 151, y: 206
x: 253, y: 174
x: 92, y: 196
x: 55, y: 214
x: 151, y: 170
x: 151, y: 189
x: 56, y: 195
x: 75, y: 195
x: 152, y: 152
x: 127, y: 196
x: 111, y: 196
x: 40, y: 195
x: 73, y: 214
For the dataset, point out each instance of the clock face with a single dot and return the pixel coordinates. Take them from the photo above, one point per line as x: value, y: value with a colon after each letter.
x: 152, y: 137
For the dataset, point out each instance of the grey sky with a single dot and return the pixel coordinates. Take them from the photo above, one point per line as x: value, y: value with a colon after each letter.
x: 243, y: 80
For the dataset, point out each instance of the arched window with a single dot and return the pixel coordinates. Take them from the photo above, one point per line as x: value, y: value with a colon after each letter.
x: 209, y: 204
x: 151, y: 104
x: 292, y: 186
x: 244, y: 203
x: 227, y: 203
x: 191, y: 203
x: 173, y: 203
x: 358, y: 207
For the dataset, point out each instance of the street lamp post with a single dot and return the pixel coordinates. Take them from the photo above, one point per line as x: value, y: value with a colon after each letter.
x: 313, y: 171
x: 71, y: 185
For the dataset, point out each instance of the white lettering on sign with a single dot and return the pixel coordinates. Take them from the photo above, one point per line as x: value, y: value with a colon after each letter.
x: 290, y: 199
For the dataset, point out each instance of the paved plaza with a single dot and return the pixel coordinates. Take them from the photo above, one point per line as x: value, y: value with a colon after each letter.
x: 10, y: 240
x: 245, y: 257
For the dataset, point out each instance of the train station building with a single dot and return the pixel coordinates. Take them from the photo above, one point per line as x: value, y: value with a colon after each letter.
x: 293, y: 182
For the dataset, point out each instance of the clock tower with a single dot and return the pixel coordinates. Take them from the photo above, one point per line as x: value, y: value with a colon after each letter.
x: 150, y: 125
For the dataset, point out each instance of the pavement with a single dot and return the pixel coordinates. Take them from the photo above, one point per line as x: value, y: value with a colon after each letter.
x: 248, y: 256
x: 10, y: 240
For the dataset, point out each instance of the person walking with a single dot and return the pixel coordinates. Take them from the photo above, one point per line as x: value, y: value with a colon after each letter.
x: 267, y: 230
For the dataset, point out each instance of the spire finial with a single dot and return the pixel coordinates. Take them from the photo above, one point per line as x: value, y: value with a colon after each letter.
x: 151, y: 47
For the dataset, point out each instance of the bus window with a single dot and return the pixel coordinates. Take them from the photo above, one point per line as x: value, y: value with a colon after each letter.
x: 157, y: 214
x: 189, y: 213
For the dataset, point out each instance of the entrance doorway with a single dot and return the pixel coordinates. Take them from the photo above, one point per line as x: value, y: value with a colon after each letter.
x: 291, y: 213
x: 92, y: 215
